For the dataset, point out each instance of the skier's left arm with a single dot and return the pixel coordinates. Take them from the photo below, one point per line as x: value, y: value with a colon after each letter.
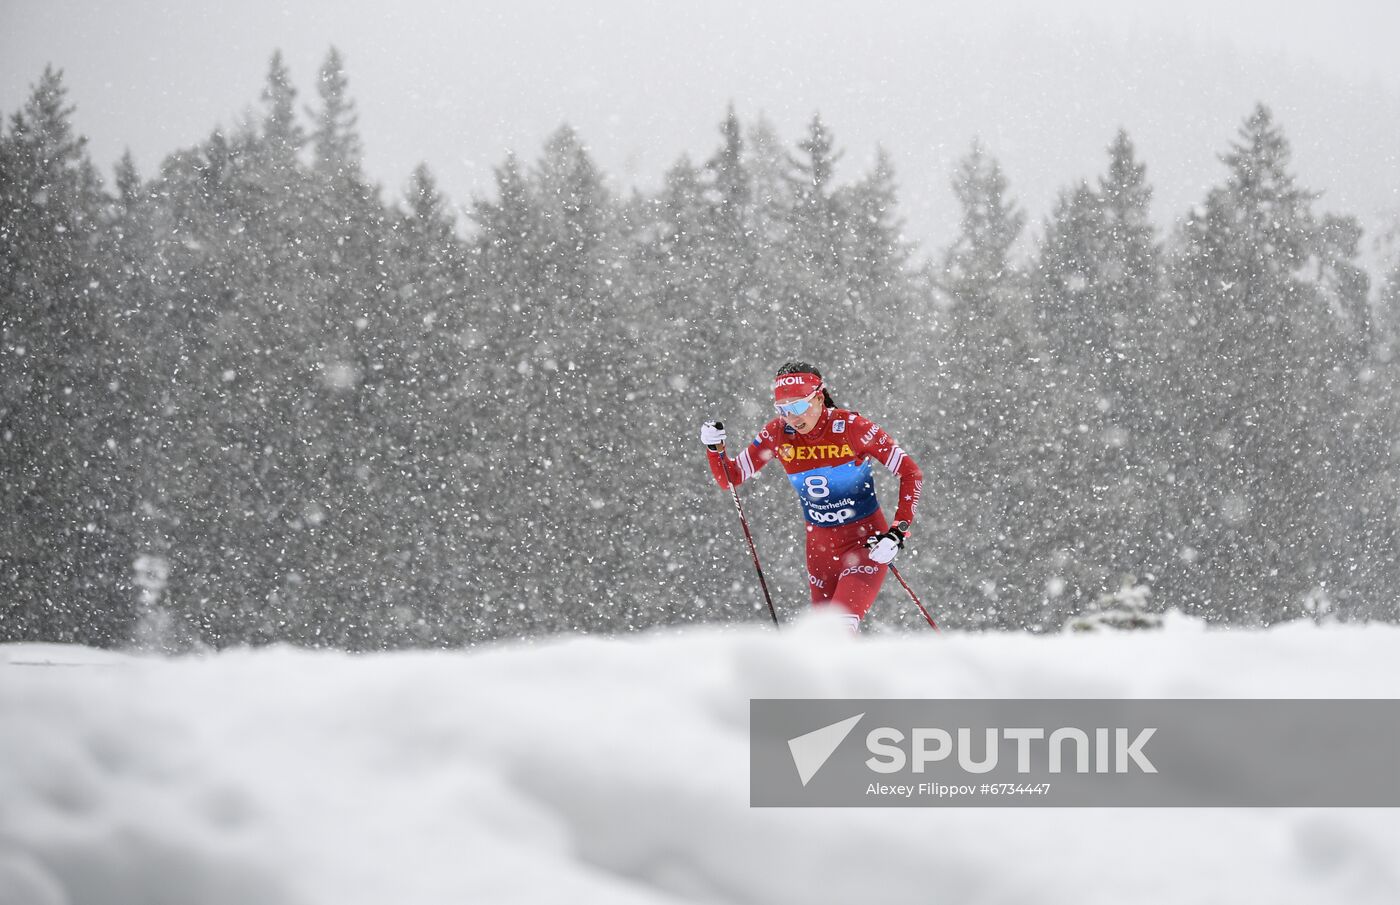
x: 879, y: 446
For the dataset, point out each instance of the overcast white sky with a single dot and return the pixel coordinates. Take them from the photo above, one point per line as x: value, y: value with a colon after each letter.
x: 1044, y: 85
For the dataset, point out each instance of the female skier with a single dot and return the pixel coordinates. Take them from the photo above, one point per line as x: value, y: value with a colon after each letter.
x: 826, y: 452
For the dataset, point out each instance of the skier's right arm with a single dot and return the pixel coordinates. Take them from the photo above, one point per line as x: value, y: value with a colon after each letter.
x: 743, y: 466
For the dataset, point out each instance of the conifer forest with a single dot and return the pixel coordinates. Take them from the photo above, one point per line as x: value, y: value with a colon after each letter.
x: 248, y: 395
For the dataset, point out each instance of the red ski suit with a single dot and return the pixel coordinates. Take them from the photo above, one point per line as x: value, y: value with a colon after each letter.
x: 830, y: 468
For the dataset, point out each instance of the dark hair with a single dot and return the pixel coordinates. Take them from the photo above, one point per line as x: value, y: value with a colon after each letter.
x: 801, y: 367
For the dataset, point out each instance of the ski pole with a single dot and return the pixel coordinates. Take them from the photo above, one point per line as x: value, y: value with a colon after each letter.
x: 915, y: 598
x: 748, y: 535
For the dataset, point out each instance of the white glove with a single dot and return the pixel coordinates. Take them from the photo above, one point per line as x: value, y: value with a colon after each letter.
x: 884, y: 547
x: 712, y: 433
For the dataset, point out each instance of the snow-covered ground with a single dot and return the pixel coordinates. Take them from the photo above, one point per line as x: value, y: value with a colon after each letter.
x: 588, y: 770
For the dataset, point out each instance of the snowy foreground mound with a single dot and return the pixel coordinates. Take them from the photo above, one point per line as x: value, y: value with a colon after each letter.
x: 616, y: 771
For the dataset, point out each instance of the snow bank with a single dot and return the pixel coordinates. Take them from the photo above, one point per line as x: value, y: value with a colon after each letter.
x: 615, y: 770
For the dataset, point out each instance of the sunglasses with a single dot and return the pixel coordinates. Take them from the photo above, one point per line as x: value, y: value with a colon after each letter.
x: 794, y: 409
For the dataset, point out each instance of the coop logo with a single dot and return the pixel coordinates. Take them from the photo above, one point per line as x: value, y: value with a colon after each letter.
x: 832, y: 518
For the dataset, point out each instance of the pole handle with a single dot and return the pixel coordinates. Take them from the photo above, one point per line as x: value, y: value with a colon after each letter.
x: 748, y: 535
x: 716, y: 447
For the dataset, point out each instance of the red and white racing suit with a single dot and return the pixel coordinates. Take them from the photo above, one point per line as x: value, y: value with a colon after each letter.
x: 830, y: 468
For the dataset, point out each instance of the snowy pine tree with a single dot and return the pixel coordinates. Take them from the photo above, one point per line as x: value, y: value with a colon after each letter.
x: 1264, y: 372
x: 1097, y: 284
x: 988, y: 396
x: 65, y: 556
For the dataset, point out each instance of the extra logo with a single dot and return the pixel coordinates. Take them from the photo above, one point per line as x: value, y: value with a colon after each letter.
x: 822, y: 451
